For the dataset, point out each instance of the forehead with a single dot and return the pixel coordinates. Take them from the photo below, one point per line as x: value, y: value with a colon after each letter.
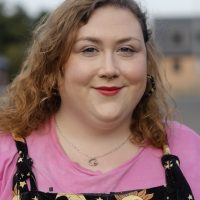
x: 111, y: 22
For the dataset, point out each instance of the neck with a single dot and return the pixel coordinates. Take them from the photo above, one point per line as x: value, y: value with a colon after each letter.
x: 81, y: 133
x: 108, y: 147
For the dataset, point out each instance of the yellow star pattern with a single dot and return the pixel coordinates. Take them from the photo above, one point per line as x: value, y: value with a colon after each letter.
x: 20, y: 160
x: 177, y: 162
x: 99, y: 198
x: 35, y: 198
x: 168, y: 164
x: 16, y: 197
x: 190, y: 197
x: 22, y: 184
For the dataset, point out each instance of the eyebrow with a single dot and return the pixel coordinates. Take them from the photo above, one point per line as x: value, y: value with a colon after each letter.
x: 98, y: 41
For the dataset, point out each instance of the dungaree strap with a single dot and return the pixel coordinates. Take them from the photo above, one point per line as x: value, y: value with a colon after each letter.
x: 24, y: 169
x: 177, y: 185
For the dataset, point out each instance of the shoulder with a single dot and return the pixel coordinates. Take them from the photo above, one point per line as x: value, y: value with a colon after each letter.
x: 7, y: 148
x: 7, y: 144
x: 185, y: 143
x: 182, y: 138
x: 8, y: 158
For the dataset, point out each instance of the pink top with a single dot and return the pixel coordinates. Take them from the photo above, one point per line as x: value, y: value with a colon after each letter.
x: 53, y: 168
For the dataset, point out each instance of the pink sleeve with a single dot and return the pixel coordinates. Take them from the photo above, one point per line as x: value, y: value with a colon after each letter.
x: 185, y: 143
x: 8, y: 157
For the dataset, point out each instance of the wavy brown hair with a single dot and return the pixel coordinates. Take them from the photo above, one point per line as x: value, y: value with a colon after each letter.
x: 33, y: 96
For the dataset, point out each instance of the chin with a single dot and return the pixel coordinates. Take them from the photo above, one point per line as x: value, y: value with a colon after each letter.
x: 108, y: 115
x: 111, y: 118
x: 107, y: 125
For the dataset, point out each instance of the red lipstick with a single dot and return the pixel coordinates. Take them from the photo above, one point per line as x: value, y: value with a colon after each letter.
x: 108, y: 91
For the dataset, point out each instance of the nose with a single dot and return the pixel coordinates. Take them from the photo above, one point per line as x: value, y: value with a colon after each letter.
x: 109, y: 67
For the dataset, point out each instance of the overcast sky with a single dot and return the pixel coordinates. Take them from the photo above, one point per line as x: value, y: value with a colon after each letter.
x: 154, y: 7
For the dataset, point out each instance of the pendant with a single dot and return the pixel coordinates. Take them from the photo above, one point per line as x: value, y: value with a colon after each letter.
x: 93, y: 162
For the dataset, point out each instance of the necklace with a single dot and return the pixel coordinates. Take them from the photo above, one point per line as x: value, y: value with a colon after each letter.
x: 92, y: 160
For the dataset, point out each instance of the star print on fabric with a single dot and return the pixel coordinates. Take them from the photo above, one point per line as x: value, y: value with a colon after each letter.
x: 20, y: 160
x: 22, y: 184
x: 190, y: 197
x: 16, y: 197
x: 177, y: 162
x: 99, y: 198
x: 35, y: 198
x: 168, y: 164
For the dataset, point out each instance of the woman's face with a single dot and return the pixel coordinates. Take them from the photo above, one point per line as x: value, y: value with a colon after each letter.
x: 105, y: 75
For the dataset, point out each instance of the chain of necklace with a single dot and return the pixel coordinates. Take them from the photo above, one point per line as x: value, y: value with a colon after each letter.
x: 92, y: 159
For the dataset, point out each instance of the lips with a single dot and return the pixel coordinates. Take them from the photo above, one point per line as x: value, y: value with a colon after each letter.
x: 108, y: 91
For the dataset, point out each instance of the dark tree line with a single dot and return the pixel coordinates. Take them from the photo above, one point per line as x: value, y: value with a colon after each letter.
x: 15, y: 36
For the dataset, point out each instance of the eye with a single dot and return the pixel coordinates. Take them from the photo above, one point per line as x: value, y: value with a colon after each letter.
x: 90, y: 51
x: 126, y: 51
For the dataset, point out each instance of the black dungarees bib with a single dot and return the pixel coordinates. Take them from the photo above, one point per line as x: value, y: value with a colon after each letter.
x: 177, y: 187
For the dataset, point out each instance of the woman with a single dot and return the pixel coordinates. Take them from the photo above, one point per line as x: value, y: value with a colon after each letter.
x: 88, y: 113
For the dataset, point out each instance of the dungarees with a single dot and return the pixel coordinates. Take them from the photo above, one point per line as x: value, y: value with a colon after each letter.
x: 25, y: 186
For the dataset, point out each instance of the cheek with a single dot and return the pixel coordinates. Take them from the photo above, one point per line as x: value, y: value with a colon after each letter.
x: 77, y: 73
x: 136, y: 73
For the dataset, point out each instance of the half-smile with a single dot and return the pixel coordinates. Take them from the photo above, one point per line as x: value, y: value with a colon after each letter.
x: 109, y: 90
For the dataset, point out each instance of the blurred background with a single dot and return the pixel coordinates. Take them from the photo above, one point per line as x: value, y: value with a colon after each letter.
x: 176, y: 30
